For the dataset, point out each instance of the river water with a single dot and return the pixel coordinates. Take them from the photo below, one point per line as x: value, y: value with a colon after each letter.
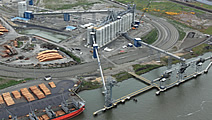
x: 205, y: 2
x: 191, y: 100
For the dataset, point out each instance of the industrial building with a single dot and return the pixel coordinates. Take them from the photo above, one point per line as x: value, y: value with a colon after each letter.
x: 111, y: 28
x: 22, y: 7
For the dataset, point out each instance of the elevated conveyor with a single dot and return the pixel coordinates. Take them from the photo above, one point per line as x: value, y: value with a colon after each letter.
x: 72, y: 12
x: 155, y: 48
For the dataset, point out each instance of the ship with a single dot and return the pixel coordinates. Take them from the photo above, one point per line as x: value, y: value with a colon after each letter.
x: 55, y: 106
x: 64, y: 111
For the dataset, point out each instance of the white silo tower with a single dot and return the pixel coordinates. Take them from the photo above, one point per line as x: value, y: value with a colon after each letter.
x: 22, y: 7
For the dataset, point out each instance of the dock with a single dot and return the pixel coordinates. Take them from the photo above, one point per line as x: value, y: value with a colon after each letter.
x: 133, y: 94
x: 142, y: 90
x: 124, y: 98
x: 141, y: 78
x: 149, y: 87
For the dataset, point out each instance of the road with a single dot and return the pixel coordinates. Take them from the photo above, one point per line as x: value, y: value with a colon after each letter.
x: 168, y: 36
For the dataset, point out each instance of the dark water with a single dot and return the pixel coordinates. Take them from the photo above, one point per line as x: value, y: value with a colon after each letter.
x: 189, y: 101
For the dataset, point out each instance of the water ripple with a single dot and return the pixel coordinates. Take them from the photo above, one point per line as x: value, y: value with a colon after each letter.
x: 192, y: 113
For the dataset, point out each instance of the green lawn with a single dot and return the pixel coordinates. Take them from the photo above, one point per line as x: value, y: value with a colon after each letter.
x: 122, y: 76
x: 207, y: 31
x: 90, y: 85
x: 141, y: 69
x: 199, y: 50
x: 151, y: 37
x: 7, y: 82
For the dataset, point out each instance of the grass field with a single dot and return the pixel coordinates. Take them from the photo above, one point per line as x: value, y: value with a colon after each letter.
x: 163, y: 6
x: 60, y: 4
x: 139, y: 69
x: 207, y: 31
x: 151, y: 37
x: 199, y: 50
x: 7, y: 82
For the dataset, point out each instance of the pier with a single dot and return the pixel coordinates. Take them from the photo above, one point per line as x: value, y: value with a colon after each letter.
x: 141, y: 78
x: 150, y: 86
x: 206, y: 70
x: 133, y: 94
x: 124, y: 98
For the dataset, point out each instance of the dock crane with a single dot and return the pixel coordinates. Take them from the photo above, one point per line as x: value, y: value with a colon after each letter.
x: 166, y: 75
x: 182, y: 70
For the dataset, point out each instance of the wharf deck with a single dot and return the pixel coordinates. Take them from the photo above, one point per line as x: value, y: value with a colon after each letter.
x: 141, y: 78
x: 206, y: 70
x: 132, y: 94
x: 126, y: 97
x: 151, y: 85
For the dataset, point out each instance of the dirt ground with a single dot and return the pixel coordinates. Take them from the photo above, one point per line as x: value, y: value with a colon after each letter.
x: 195, y: 20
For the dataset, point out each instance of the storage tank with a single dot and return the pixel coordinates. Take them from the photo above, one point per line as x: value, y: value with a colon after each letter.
x: 22, y: 7
x: 98, y: 37
x: 89, y: 29
x: 106, y: 33
x: 109, y: 32
x: 112, y: 31
x: 103, y: 35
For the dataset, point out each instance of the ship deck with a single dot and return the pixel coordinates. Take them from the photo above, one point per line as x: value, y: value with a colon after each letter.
x: 22, y: 107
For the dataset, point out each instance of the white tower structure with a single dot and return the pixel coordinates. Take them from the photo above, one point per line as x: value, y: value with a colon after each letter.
x: 22, y: 7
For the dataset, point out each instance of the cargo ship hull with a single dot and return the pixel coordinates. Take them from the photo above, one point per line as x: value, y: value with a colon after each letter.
x: 70, y: 115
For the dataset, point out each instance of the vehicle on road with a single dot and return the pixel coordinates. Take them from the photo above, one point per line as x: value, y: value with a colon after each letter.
x: 47, y: 78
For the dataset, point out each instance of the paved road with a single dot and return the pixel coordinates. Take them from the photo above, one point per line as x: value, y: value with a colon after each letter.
x: 168, y: 36
x: 11, y: 35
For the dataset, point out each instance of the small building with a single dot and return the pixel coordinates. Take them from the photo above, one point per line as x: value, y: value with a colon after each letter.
x: 70, y: 28
x: 20, y: 19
